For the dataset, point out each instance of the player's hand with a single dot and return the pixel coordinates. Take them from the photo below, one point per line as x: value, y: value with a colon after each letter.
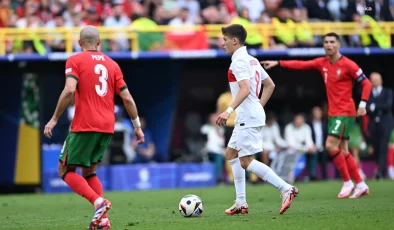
x: 361, y: 111
x: 140, y: 135
x: 269, y: 64
x: 49, y: 128
x: 222, y: 118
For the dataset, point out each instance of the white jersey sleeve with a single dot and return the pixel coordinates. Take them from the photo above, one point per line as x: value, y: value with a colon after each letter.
x: 264, y: 74
x: 250, y: 113
x: 241, y: 70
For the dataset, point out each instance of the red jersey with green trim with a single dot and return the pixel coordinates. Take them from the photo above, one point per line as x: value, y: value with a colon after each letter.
x: 338, y: 78
x: 99, y: 78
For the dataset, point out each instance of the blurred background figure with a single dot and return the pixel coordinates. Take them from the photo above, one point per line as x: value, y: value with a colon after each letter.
x: 118, y: 18
x: 182, y: 19
x: 303, y: 30
x: 319, y: 136
x: 120, y: 150
x: 285, y: 36
x: 379, y: 108
x: 273, y: 142
x: 215, y: 147
x: 223, y: 102
x: 390, y: 157
x: 254, y: 39
x: 145, y: 152
x: 298, y: 136
x: 125, y: 133
x: 356, y: 144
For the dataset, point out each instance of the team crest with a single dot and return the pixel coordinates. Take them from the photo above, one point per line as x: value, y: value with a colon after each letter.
x: 338, y: 73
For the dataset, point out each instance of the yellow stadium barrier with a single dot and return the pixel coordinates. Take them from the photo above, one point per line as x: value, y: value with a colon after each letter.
x: 213, y: 31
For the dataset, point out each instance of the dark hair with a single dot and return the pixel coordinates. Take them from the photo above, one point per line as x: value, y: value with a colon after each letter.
x: 235, y: 31
x: 59, y: 15
x: 270, y: 116
x: 332, y: 34
x: 300, y: 115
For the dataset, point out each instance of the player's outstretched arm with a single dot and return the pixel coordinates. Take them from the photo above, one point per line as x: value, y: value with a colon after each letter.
x: 65, y: 99
x: 292, y: 64
x: 268, y: 89
x: 131, y: 109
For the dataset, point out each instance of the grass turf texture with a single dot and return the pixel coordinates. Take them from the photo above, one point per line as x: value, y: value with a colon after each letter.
x: 316, y: 207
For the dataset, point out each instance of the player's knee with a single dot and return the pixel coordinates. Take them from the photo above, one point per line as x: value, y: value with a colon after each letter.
x: 343, y: 147
x: 87, y: 172
x: 344, y: 150
x: 245, y: 161
x: 61, y: 169
x: 231, y: 154
x: 331, y: 145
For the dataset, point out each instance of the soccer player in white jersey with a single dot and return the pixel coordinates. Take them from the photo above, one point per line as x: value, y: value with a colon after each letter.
x: 245, y: 77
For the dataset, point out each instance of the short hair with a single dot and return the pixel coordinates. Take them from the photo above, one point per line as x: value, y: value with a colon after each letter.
x: 270, y: 116
x: 332, y: 34
x: 302, y: 115
x: 235, y: 31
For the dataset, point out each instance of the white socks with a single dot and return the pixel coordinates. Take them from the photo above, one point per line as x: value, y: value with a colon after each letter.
x: 266, y: 173
x: 239, y: 181
x: 348, y: 183
x: 98, y: 201
x: 391, y: 172
x: 362, y: 184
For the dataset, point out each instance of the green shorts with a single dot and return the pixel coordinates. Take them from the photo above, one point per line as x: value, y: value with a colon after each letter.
x: 340, y: 126
x: 355, y: 142
x: 392, y: 136
x: 84, y: 149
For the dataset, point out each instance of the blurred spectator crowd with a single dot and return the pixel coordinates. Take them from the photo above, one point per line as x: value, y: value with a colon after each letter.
x: 295, y: 144
x: 284, y: 146
x: 123, y: 13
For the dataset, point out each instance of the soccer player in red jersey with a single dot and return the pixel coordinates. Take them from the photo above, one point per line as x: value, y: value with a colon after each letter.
x: 93, y: 79
x: 339, y: 73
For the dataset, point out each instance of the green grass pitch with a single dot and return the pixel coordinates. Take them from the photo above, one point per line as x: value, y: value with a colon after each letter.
x: 316, y: 207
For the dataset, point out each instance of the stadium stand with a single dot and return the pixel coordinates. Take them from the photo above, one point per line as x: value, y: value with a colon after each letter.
x: 150, y: 24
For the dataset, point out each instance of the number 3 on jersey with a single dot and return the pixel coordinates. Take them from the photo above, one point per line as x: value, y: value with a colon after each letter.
x: 101, y: 90
x: 258, y: 78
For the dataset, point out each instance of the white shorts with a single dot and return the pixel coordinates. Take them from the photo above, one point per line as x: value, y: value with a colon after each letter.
x: 247, y: 141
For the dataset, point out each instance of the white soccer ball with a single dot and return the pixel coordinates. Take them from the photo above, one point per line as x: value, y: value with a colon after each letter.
x: 191, y: 206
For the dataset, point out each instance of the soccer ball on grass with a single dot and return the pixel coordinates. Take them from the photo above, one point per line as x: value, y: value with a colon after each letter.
x: 191, y: 206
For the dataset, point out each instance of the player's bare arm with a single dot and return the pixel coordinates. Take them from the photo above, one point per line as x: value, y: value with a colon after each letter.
x: 366, y: 91
x: 268, y: 89
x: 244, y: 91
x: 131, y: 109
x: 65, y: 99
x: 366, y: 85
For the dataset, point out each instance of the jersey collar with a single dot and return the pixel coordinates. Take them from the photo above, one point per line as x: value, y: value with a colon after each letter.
x: 239, y: 52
